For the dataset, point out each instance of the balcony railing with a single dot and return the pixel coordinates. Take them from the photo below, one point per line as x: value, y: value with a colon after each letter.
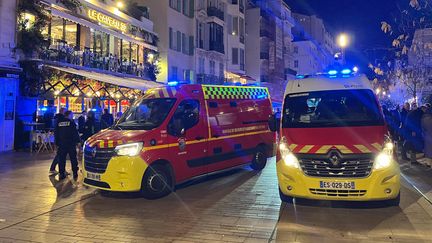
x: 88, y: 59
x: 242, y: 39
x: 264, y: 55
x: 213, y: 11
x: 265, y: 33
x: 217, y: 46
x: 209, y: 79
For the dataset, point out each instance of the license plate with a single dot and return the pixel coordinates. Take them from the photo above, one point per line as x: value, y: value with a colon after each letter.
x: 337, y: 185
x: 93, y: 176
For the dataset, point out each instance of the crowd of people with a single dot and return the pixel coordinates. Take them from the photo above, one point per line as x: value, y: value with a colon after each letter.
x: 91, y: 59
x: 411, y: 127
x: 68, y: 135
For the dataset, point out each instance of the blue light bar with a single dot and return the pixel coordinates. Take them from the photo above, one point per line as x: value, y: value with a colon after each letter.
x: 346, y: 71
x: 332, y: 72
x: 172, y: 83
x: 300, y: 76
x: 44, y: 109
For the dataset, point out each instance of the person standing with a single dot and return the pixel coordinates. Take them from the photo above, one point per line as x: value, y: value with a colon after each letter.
x: 107, y: 119
x: 54, y: 163
x: 67, y: 138
x: 414, y: 132
x: 403, y: 129
x: 89, y: 126
x: 81, y: 122
x: 426, y: 123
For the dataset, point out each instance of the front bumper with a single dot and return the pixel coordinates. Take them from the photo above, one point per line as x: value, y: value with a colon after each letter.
x: 371, y: 188
x: 123, y: 174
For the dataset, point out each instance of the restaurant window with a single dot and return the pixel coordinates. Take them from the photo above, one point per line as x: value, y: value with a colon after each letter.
x: 126, y: 53
x: 134, y: 53
x: 71, y: 33
x: 56, y: 30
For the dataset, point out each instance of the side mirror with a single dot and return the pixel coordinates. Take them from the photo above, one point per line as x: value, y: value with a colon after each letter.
x: 273, y: 123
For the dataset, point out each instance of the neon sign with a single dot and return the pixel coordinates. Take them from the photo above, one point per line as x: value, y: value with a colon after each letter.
x: 107, y: 20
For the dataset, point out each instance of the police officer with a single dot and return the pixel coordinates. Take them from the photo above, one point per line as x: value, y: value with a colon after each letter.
x: 66, y: 138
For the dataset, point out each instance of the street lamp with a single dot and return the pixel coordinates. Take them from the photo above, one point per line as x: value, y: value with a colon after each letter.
x: 343, y: 42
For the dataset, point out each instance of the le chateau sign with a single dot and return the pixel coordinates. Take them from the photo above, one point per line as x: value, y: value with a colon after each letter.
x: 107, y: 20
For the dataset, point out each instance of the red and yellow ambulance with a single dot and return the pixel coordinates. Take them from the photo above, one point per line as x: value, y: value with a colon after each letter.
x: 175, y: 133
x: 334, y: 143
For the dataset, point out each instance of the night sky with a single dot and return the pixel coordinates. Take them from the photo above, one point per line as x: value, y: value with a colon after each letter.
x: 360, y: 18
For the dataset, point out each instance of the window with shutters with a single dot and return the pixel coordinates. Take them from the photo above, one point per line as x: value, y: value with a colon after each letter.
x: 191, y: 45
x: 242, y: 59
x: 171, y: 44
x: 178, y: 43
x: 184, y: 44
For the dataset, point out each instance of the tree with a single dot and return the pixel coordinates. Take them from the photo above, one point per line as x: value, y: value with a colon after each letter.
x: 413, y: 62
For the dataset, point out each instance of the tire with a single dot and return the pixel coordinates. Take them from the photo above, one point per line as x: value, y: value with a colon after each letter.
x: 393, y: 202
x: 157, y: 182
x: 259, y: 159
x: 285, y: 198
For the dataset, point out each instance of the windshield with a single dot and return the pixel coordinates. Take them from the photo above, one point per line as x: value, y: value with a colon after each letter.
x: 146, y: 114
x: 331, y: 109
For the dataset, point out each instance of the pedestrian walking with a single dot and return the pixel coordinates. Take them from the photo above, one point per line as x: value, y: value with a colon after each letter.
x: 426, y: 123
x: 89, y: 126
x: 54, y: 163
x: 107, y: 119
x: 67, y: 138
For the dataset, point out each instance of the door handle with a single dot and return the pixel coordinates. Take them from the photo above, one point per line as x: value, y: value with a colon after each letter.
x: 199, y: 138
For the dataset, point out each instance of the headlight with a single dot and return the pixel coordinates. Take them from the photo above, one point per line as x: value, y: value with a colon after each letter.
x: 384, y: 159
x: 131, y: 149
x: 287, y: 156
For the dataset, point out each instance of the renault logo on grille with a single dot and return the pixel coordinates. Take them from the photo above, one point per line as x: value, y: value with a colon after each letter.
x: 93, y: 152
x: 334, y: 159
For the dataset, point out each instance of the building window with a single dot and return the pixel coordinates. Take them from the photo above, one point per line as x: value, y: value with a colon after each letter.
x: 178, y: 42
x: 296, y: 64
x: 175, y: 4
x: 171, y: 43
x: 242, y: 60
x: 174, y: 73
x: 191, y: 45
x: 235, y: 23
x: 212, y: 67
x: 296, y: 50
x: 241, y: 26
x: 201, y: 65
x: 184, y: 44
x: 221, y: 70
x: 188, y: 8
x: 187, y: 75
x: 235, y: 60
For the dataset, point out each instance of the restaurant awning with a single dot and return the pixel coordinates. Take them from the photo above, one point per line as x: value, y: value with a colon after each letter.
x: 128, y: 82
x: 100, y: 28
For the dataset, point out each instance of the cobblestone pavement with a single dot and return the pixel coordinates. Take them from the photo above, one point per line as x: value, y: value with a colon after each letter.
x: 240, y: 206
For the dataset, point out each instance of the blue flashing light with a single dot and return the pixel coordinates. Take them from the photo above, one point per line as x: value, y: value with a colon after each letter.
x: 346, y: 71
x: 173, y: 83
x: 93, y: 109
x: 300, y: 76
x: 44, y: 108
x: 332, y: 72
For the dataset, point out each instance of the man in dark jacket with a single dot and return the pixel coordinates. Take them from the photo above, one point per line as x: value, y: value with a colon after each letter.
x: 107, y: 119
x: 54, y: 163
x: 66, y: 138
x: 403, y: 130
x: 414, y: 133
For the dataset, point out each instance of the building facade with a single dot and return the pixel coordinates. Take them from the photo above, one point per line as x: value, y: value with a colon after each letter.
x: 268, y: 41
x: 9, y: 74
x: 91, y: 55
x: 313, y: 47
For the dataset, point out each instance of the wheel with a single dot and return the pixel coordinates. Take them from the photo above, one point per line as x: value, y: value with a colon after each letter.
x: 259, y: 159
x: 393, y: 202
x: 156, y: 182
x: 285, y: 198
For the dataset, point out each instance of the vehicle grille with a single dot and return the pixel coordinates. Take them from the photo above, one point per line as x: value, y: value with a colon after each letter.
x: 99, y: 162
x: 338, y: 193
x: 345, y: 169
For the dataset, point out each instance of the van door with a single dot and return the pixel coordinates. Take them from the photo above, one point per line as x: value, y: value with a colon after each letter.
x: 188, y: 136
